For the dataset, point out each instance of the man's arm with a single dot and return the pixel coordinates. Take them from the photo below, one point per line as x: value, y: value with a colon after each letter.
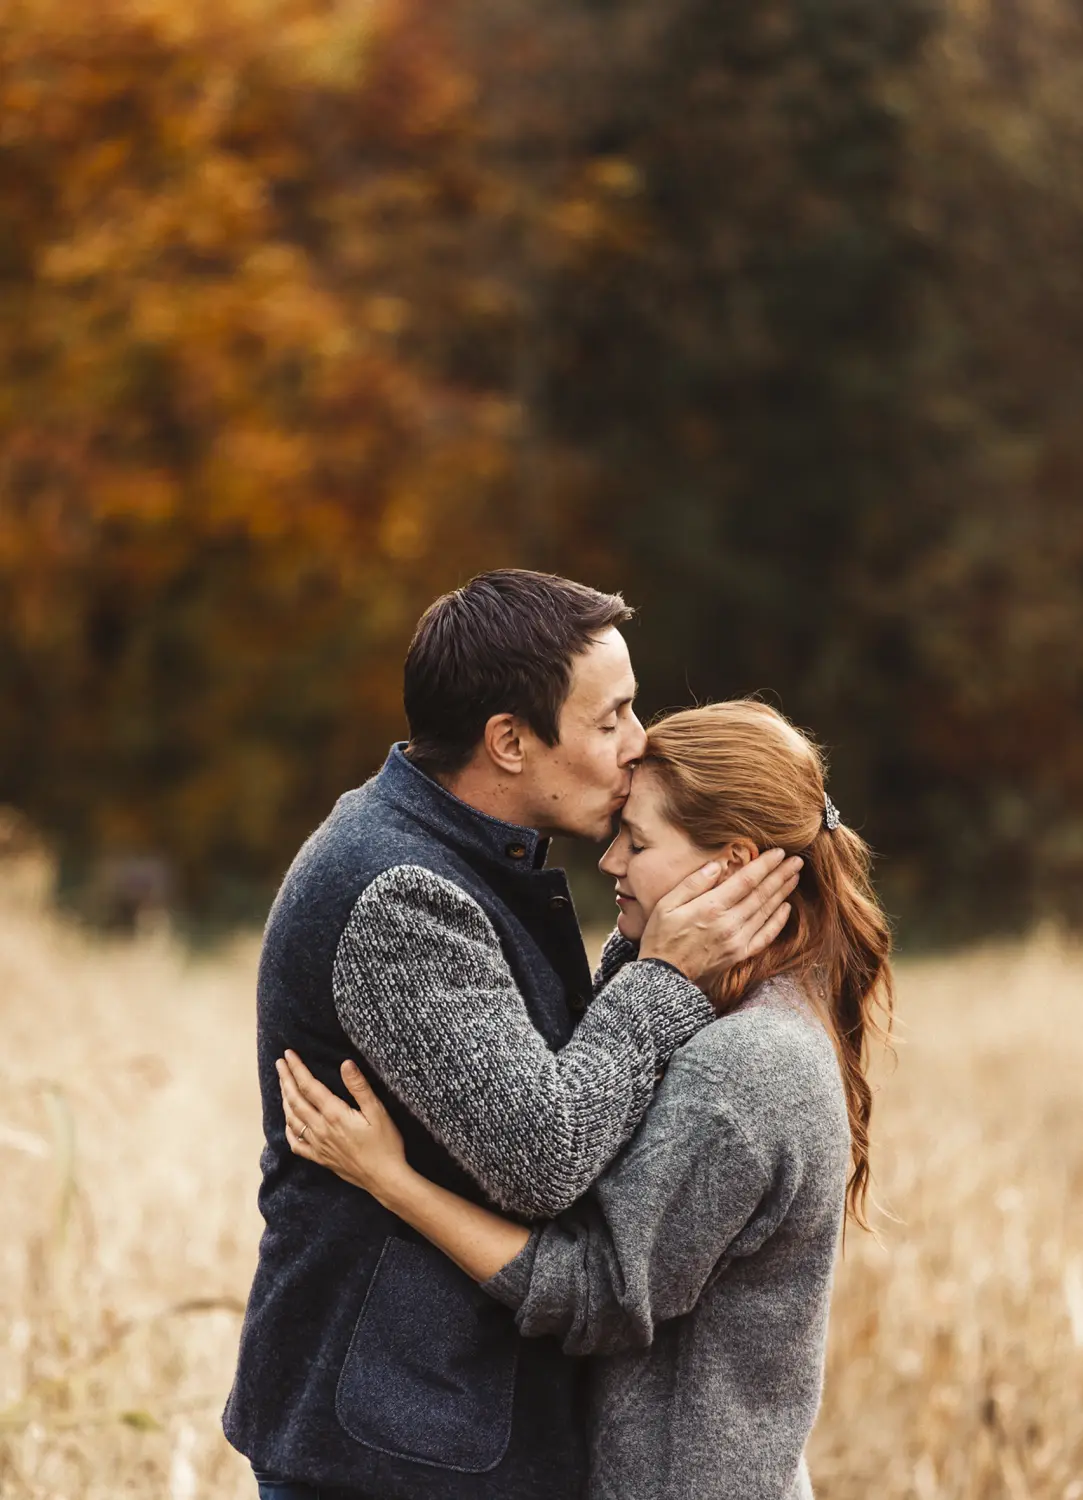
x: 424, y: 992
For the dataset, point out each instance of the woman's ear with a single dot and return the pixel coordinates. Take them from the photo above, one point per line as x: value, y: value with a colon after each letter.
x: 734, y: 856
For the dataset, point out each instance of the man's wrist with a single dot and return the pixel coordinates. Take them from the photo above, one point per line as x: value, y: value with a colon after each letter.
x: 666, y: 963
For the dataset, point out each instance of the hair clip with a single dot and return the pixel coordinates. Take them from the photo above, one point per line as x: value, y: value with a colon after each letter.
x: 832, y: 816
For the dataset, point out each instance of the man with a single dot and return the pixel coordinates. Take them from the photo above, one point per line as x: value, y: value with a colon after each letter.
x: 420, y: 931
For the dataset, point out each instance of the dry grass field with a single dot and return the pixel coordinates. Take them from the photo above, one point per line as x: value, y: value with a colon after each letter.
x: 129, y: 1138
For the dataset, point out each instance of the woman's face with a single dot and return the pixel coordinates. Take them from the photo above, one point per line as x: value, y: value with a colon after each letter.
x: 649, y: 856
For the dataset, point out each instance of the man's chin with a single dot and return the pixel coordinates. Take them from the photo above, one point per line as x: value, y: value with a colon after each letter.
x: 600, y: 832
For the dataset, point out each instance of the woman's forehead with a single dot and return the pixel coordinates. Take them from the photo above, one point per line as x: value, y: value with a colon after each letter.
x: 644, y: 804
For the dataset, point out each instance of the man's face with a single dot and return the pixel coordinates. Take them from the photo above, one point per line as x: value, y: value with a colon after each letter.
x: 579, y: 784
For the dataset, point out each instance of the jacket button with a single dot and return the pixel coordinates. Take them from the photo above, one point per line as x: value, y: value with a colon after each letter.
x: 577, y: 1003
x: 516, y: 851
x: 559, y: 903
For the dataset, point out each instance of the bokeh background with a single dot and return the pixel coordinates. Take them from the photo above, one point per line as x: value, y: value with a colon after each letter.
x: 769, y: 314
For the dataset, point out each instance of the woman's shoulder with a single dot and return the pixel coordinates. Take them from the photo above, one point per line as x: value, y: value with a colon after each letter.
x: 773, y: 1047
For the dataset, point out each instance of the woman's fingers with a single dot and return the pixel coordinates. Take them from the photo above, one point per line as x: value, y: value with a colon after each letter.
x: 360, y: 1088
x: 299, y: 1146
x: 301, y: 1117
x: 316, y: 1117
x: 317, y: 1093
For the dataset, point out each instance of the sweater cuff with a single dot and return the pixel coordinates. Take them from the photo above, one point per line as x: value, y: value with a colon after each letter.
x: 673, y: 1007
x: 511, y: 1284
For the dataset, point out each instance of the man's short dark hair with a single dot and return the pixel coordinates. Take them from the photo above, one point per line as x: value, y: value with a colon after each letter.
x: 503, y: 643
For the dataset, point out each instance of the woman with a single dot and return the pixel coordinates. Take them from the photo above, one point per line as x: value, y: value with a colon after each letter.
x: 700, y: 1263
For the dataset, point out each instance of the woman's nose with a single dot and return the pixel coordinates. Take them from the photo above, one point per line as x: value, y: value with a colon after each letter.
x: 611, y: 862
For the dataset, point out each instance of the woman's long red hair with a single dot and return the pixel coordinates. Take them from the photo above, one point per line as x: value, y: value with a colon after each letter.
x: 739, y: 770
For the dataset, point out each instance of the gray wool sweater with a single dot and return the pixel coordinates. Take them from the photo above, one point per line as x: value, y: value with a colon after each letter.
x: 698, y: 1269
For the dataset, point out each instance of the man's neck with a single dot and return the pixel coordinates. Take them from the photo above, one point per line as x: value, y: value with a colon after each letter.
x: 495, y: 797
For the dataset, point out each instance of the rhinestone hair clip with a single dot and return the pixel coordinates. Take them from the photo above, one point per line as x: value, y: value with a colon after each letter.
x: 832, y: 816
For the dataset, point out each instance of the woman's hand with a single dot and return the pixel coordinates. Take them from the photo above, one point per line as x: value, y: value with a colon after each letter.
x: 364, y: 1147
x: 361, y: 1145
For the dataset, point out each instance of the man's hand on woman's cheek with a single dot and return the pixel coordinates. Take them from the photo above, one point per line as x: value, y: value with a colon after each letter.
x: 705, y: 925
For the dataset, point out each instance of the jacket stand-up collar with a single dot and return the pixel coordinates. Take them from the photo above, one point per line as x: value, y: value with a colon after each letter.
x: 467, y: 828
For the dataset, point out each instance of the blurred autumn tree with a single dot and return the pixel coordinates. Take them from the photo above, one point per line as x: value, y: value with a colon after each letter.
x: 229, y: 480
x: 769, y: 314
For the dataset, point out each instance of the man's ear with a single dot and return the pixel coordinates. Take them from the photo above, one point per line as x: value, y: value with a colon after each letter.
x: 504, y: 745
x: 736, y: 855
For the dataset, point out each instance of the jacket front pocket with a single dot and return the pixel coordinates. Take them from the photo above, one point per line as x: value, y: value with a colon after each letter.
x: 430, y: 1371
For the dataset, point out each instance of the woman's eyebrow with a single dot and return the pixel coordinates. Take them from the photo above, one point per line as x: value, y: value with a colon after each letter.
x: 632, y: 828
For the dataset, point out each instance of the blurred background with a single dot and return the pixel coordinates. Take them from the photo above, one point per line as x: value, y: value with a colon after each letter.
x: 769, y: 314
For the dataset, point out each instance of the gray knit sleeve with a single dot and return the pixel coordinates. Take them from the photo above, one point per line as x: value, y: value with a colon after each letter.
x: 642, y: 1245
x: 424, y: 991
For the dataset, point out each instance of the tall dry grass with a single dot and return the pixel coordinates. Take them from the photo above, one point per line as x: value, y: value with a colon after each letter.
x: 129, y: 1138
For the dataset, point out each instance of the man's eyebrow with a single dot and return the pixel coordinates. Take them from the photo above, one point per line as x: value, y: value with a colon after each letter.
x: 620, y: 701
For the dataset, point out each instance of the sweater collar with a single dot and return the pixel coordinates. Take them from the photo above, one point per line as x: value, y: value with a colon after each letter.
x: 456, y: 822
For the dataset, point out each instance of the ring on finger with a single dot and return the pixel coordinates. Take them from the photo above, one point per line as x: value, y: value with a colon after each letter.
x: 301, y: 1134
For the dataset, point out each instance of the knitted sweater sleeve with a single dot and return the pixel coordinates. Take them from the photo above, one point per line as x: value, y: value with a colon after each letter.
x: 423, y: 990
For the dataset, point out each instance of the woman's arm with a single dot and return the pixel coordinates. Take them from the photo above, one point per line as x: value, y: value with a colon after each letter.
x: 363, y: 1146
x: 636, y: 1252
x: 641, y: 1247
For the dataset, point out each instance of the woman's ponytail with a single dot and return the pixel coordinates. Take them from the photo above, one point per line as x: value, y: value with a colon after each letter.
x: 857, y: 980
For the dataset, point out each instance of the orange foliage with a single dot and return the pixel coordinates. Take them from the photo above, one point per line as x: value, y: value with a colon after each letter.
x: 230, y: 472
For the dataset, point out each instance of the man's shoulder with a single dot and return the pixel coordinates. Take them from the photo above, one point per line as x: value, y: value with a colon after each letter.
x: 363, y: 840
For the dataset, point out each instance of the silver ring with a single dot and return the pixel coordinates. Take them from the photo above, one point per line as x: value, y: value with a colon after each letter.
x: 301, y: 1135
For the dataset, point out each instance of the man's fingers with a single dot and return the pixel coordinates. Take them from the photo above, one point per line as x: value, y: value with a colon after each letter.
x: 766, y: 899
x: 760, y: 885
x: 740, y: 902
x: 691, y: 886
x: 770, y: 930
x: 731, y: 891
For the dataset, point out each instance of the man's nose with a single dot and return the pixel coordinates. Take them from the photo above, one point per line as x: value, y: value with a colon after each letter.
x: 635, y: 745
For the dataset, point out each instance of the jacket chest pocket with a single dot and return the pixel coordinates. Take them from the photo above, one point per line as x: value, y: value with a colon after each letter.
x: 430, y: 1371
